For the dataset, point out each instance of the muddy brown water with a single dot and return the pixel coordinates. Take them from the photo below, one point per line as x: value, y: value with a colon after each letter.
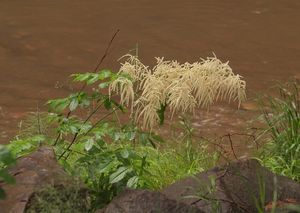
x: 43, y: 42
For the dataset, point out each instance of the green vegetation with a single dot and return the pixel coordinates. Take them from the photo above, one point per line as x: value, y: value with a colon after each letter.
x: 206, y: 191
x: 6, y: 160
x: 122, y: 156
x: 282, y: 151
x: 92, y: 143
x: 59, y: 199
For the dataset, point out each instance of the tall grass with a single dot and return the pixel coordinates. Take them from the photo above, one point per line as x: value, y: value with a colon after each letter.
x: 282, y: 152
x: 175, y: 162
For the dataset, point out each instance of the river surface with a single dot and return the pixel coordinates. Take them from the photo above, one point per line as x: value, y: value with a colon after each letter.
x: 43, y: 42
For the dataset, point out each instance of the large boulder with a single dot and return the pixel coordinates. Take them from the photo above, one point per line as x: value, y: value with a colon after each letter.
x: 243, y: 186
x: 138, y: 201
x: 236, y: 187
x: 35, y: 172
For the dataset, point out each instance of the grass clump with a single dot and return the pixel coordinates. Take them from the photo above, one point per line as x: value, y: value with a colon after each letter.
x: 282, y: 151
x: 172, y: 164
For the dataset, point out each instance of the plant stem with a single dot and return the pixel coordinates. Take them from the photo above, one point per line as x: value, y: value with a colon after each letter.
x: 96, y: 68
x: 76, y: 134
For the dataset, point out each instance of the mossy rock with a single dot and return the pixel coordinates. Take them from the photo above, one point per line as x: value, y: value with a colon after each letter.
x: 59, y: 199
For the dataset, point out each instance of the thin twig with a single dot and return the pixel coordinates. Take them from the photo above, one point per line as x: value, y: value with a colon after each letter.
x: 248, y: 135
x: 231, y: 145
x: 39, y: 120
x: 76, y: 134
x: 223, y: 174
x: 108, y: 114
x: 104, y: 55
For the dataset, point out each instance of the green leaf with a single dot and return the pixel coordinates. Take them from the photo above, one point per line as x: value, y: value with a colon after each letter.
x: 119, y: 175
x: 104, y: 74
x: 131, y: 135
x: 7, y: 178
x: 133, y: 182
x: 124, y: 153
x: 157, y: 138
x: 73, y: 104
x: 117, y: 136
x: 107, y: 103
x: 58, y: 105
x: 104, y: 85
x: 80, y: 76
x: 2, y: 194
x: 6, y: 156
x: 106, y: 167
x: 80, y: 145
x: 92, y: 79
x: 161, y: 113
x: 22, y: 147
x: 89, y: 144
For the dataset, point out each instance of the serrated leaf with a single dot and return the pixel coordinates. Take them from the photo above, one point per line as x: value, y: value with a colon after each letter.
x: 80, y: 76
x: 118, y: 175
x: 73, y: 129
x: 104, y: 74
x: 104, y: 85
x: 58, y: 105
x: 133, y: 182
x: 124, y: 153
x: 73, y: 105
x: 92, y: 79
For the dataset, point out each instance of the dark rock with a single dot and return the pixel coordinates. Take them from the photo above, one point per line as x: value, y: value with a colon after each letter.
x: 32, y: 173
x: 143, y: 201
x: 233, y: 188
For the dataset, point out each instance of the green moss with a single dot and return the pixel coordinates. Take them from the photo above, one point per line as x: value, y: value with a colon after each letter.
x: 59, y: 199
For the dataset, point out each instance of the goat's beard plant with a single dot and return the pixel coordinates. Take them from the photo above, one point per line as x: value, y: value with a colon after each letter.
x: 181, y: 87
x: 106, y: 155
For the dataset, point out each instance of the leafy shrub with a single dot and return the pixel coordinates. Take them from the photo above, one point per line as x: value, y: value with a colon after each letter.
x: 109, y: 167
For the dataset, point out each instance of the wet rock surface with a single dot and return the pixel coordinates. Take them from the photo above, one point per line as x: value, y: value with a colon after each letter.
x: 234, y: 188
x: 32, y: 173
x: 137, y: 201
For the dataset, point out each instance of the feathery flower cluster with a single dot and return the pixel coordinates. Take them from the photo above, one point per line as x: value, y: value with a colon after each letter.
x: 181, y: 87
